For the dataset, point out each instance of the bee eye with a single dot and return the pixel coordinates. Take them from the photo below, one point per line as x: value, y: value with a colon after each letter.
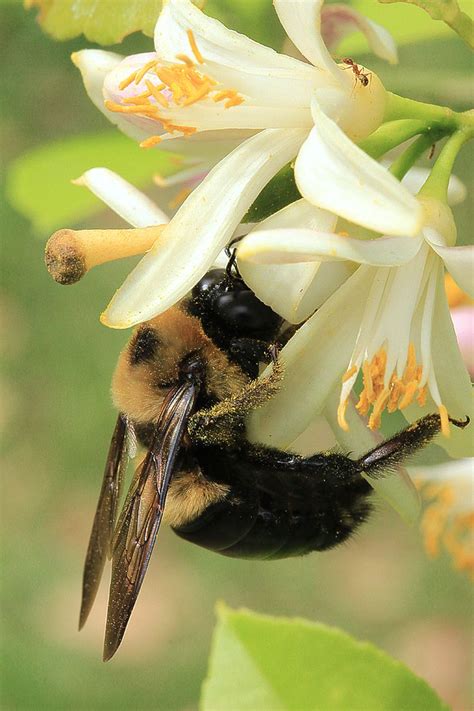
x: 214, y: 279
x: 243, y: 311
x: 144, y: 347
x: 233, y: 303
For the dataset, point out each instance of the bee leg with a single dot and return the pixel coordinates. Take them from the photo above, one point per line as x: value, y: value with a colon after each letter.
x: 223, y: 423
x: 249, y: 352
x: 396, y: 449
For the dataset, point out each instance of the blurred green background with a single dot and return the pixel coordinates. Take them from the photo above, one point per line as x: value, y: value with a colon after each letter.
x: 57, y: 419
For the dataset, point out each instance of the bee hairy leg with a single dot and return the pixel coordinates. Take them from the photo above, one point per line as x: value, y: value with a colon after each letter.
x: 396, y: 449
x: 249, y: 352
x: 223, y: 423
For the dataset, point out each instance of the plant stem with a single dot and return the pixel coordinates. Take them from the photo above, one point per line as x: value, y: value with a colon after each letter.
x: 437, y: 184
x: 391, y: 134
x: 399, y: 107
x: 404, y: 162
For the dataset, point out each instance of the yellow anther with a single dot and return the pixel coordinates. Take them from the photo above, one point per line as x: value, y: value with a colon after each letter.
x: 379, y: 406
x: 341, y: 416
x: 172, y: 128
x: 400, y: 391
x: 126, y: 82
x: 442, y: 526
x: 184, y: 58
x: 139, y: 99
x: 194, y: 47
x: 141, y: 72
x: 219, y: 95
x: 396, y: 390
x: 421, y: 397
x: 363, y: 405
x: 408, y: 395
x: 199, y: 94
x: 233, y: 101
x: 368, y: 384
x: 150, y: 142
x: 136, y: 109
x: 349, y: 373
x: 155, y: 91
x: 443, y: 413
x: 410, y: 368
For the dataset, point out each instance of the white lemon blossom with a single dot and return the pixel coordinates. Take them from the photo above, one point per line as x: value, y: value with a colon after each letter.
x: 295, y: 290
x: 390, y: 319
x: 138, y: 210
x: 206, y: 81
x: 448, y: 517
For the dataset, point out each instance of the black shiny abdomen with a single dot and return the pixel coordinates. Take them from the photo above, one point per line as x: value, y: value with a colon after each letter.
x: 279, y: 504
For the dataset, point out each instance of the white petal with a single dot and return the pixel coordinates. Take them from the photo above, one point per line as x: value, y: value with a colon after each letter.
x: 396, y: 488
x: 341, y: 20
x: 287, y: 246
x: 333, y: 173
x: 206, y: 114
x: 302, y: 23
x: 453, y: 379
x: 328, y: 278
x: 123, y: 198
x: 416, y: 178
x: 95, y: 65
x: 459, y: 261
x: 284, y: 287
x: 201, y: 228
x: 314, y: 359
x: 233, y: 59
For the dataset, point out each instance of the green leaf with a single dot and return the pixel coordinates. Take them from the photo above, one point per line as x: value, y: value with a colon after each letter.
x: 109, y: 21
x: 39, y: 182
x: 406, y: 22
x: 279, y: 192
x: 449, y: 12
x: 102, y: 21
x: 261, y: 663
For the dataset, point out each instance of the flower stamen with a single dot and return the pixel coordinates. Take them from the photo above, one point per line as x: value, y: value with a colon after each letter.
x: 180, y: 85
x: 341, y: 415
x: 150, y: 142
x: 443, y: 414
x: 443, y: 526
x: 382, y: 390
x: 194, y: 47
x: 349, y: 373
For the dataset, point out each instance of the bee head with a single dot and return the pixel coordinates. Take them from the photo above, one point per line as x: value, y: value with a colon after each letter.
x: 229, y: 302
x: 158, y: 357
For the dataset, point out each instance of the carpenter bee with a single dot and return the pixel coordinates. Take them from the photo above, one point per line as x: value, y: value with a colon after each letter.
x: 183, y: 386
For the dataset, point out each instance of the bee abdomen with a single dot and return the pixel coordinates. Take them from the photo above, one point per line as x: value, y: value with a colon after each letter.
x: 277, y: 504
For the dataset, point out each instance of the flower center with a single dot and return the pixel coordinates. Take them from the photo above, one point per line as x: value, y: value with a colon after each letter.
x: 168, y: 87
x: 397, y: 395
x: 393, y: 348
x: 443, y: 526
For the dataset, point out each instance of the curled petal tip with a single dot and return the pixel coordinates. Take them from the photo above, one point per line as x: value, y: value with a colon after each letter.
x: 105, y: 320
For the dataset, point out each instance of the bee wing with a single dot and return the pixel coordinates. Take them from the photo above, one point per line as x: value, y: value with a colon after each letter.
x: 105, y: 516
x: 142, y: 513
